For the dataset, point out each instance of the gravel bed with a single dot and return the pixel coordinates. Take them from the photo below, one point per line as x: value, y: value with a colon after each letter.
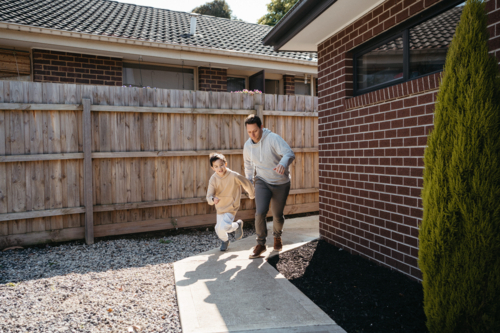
x: 118, y: 285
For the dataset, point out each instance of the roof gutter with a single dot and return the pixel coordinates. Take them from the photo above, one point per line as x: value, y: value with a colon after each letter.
x: 300, y: 16
x: 129, y: 41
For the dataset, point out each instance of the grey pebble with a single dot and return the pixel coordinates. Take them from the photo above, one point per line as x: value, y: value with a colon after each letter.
x: 105, y: 287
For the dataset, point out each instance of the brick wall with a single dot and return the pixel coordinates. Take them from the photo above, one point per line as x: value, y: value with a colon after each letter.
x: 289, y: 84
x: 493, y: 8
x: 65, y: 67
x: 212, y: 79
x: 372, y: 145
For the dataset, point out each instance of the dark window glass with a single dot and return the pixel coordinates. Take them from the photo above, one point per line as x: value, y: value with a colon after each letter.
x: 302, y: 88
x: 235, y: 84
x: 272, y: 87
x: 138, y: 75
x: 418, y: 48
x: 429, y: 42
x: 381, y: 65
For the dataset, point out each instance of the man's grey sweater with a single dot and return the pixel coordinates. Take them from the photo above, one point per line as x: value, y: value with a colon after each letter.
x: 262, y: 157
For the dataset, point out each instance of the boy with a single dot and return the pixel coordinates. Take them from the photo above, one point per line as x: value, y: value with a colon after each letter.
x: 225, y: 192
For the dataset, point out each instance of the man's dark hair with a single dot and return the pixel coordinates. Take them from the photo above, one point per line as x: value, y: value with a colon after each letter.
x: 216, y: 156
x: 253, y: 119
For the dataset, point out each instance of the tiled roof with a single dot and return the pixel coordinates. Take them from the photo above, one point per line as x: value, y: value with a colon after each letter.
x: 115, y: 19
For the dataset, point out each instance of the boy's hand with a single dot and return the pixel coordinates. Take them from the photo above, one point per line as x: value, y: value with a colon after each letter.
x: 216, y: 200
x: 279, y: 169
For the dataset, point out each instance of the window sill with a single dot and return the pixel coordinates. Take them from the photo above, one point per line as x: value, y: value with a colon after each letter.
x: 408, y: 88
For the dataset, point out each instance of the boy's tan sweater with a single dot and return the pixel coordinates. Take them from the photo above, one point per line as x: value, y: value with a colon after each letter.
x: 227, y: 189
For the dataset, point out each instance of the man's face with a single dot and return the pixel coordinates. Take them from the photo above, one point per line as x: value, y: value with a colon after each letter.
x: 254, y: 132
x: 219, y: 166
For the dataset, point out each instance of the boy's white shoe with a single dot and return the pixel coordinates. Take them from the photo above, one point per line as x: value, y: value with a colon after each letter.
x: 238, y: 233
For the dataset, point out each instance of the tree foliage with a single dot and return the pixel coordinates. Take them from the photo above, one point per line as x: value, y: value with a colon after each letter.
x: 460, y: 233
x: 217, y: 8
x: 276, y: 9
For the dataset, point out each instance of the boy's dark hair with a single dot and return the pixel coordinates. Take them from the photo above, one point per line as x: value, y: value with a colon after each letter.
x: 216, y: 156
x: 253, y: 119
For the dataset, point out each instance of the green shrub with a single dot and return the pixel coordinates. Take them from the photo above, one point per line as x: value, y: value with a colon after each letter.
x: 460, y: 232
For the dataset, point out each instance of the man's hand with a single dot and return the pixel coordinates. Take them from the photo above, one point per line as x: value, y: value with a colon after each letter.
x: 216, y: 200
x: 279, y: 169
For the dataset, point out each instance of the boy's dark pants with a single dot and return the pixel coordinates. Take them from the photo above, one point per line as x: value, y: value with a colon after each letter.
x: 275, y: 195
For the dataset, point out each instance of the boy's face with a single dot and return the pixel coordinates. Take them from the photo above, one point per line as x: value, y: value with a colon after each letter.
x: 219, y: 167
x: 254, y: 132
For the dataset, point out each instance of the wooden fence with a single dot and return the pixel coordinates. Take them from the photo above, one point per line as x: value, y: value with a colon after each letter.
x: 82, y: 161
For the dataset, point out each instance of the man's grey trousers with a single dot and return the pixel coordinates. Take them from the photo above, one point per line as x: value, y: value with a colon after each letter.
x: 275, y: 195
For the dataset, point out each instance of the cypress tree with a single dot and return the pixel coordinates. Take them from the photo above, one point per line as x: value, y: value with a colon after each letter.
x: 460, y: 232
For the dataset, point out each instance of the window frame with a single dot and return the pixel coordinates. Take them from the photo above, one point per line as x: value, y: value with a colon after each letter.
x: 161, y: 65
x: 309, y: 81
x: 402, y: 30
x: 277, y: 80
x: 238, y: 77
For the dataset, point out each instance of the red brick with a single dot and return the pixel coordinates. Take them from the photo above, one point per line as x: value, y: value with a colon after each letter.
x: 60, y: 74
x: 90, y: 66
x: 67, y: 80
x: 95, y: 62
x: 50, y: 57
x: 417, y: 7
x: 66, y: 58
x: 82, y: 60
x: 58, y: 63
x: 51, y: 79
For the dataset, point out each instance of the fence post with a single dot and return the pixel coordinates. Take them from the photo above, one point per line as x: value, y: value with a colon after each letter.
x: 87, y: 167
x: 259, y: 111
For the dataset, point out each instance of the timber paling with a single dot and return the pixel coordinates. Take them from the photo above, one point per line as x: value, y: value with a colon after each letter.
x: 91, y: 161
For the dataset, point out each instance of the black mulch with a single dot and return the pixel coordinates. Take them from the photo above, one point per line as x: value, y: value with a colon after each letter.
x: 357, y: 294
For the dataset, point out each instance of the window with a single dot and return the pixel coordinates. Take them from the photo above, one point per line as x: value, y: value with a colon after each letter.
x: 139, y: 75
x: 302, y: 88
x: 381, y: 65
x: 419, y: 48
x: 272, y: 87
x: 236, y: 83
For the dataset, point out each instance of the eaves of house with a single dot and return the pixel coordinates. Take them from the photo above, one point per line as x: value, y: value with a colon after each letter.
x: 128, y: 31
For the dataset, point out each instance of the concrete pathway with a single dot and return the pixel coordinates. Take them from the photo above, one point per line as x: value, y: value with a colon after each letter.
x: 228, y: 292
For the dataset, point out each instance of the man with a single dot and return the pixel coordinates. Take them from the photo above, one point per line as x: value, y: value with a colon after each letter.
x: 267, y: 158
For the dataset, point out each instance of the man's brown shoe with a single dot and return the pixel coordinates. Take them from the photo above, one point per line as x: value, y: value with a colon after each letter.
x: 277, y: 244
x: 257, y: 251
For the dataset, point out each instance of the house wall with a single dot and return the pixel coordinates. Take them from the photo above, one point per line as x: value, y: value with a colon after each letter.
x: 493, y: 8
x: 212, y: 79
x: 65, y: 67
x: 371, y: 146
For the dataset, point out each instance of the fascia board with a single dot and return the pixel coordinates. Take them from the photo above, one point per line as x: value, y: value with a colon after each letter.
x: 331, y: 21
